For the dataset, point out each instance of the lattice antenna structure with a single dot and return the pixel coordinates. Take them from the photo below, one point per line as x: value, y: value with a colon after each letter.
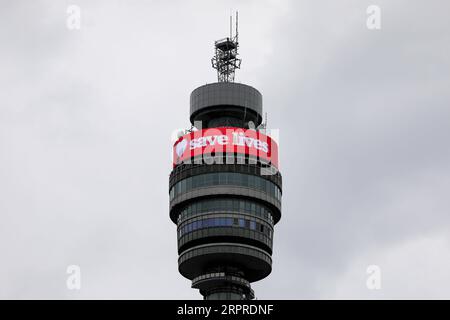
x: 225, y: 59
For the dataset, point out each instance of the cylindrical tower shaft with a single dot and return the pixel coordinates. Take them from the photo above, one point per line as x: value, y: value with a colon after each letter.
x: 225, y: 209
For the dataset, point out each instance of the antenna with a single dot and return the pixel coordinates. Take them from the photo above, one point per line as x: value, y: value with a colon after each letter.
x: 237, y: 33
x: 225, y: 59
x: 231, y: 26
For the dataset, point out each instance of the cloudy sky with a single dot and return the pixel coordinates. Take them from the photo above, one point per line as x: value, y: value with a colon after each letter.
x: 86, y: 119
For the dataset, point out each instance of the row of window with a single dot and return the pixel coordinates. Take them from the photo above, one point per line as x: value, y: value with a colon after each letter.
x: 230, y: 162
x: 230, y: 158
x: 225, y: 178
x: 237, y: 249
x: 225, y: 231
x: 225, y: 296
x: 224, y: 222
x: 225, y: 205
x: 222, y: 275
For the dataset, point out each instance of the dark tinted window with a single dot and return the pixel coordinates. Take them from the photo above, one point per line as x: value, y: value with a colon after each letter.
x: 225, y: 178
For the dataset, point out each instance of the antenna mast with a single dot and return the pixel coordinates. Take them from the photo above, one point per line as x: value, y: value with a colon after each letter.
x: 225, y: 59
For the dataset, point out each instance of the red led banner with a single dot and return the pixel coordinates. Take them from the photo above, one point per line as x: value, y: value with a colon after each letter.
x: 225, y: 140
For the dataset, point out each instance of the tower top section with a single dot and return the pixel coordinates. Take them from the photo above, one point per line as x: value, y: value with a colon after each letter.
x: 225, y: 59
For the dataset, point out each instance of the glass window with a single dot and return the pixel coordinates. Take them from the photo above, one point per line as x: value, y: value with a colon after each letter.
x: 244, y: 180
x: 223, y: 205
x: 212, y: 205
x: 262, y: 184
x: 197, y: 181
x: 207, y: 179
x: 225, y: 178
x: 251, y: 181
x: 222, y: 178
x: 232, y: 178
x: 235, y: 205
x: 188, y: 183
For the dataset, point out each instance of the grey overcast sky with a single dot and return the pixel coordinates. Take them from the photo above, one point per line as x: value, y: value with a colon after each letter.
x: 86, y: 118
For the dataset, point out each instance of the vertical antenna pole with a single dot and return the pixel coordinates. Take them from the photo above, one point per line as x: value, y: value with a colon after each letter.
x: 231, y: 26
x: 237, y: 27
